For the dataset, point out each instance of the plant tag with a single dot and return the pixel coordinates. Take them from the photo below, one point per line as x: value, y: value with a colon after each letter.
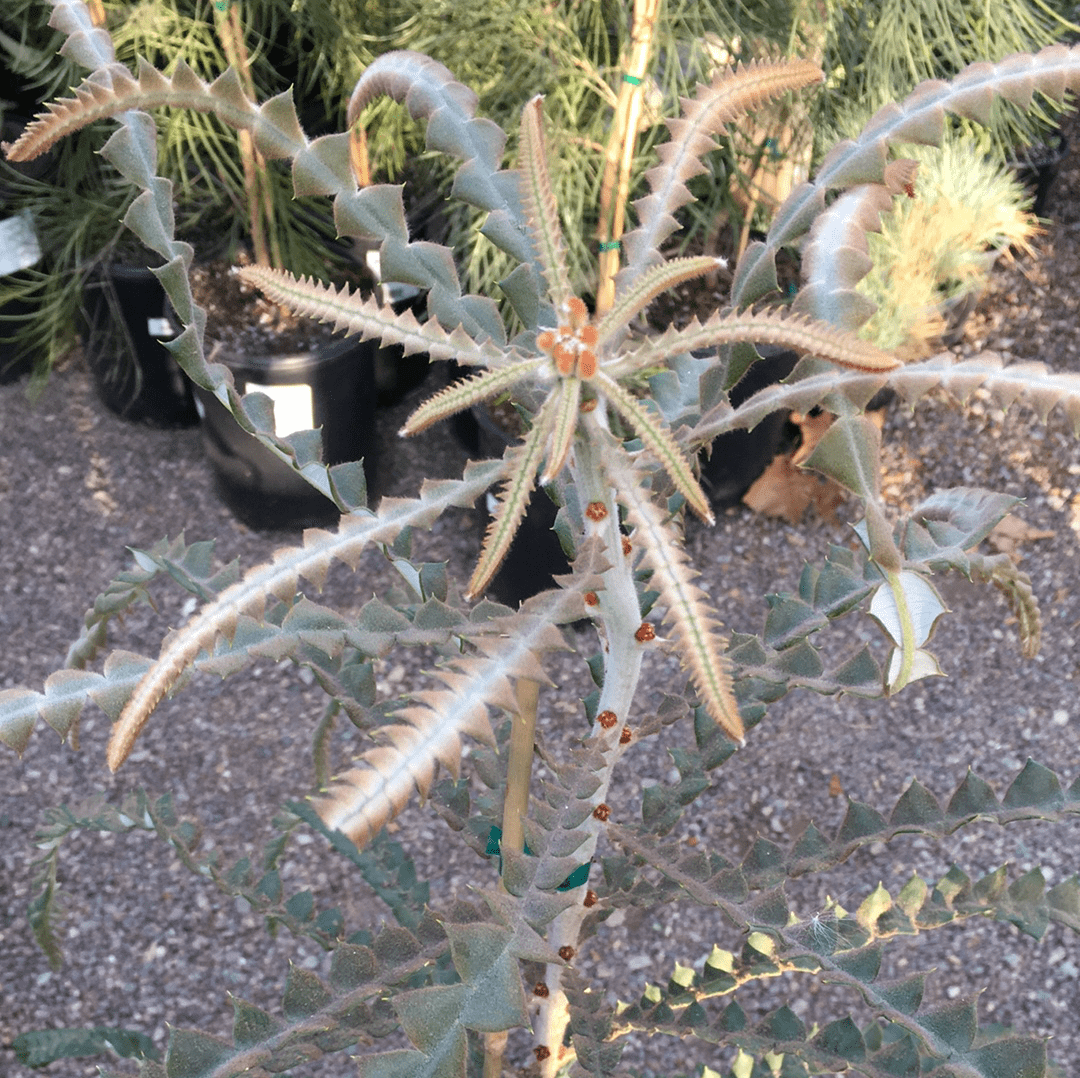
x: 390, y: 293
x: 160, y: 328
x: 19, y: 247
x: 293, y: 406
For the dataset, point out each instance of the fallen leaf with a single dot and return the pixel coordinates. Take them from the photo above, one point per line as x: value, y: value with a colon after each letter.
x: 1011, y: 532
x: 836, y: 788
x: 785, y: 490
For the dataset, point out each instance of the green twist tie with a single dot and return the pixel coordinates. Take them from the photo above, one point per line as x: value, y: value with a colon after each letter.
x: 221, y: 5
x: 632, y: 79
x: 610, y: 245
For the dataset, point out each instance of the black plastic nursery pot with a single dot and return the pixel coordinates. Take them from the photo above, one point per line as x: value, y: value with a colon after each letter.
x: 738, y: 457
x: 125, y: 319
x: 395, y: 372
x: 332, y: 388
x: 1037, y: 168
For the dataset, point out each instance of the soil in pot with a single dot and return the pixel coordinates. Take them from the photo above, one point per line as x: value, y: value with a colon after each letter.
x: 316, y: 380
x: 1037, y: 168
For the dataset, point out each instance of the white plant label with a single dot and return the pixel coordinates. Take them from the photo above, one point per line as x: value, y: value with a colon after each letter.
x: 294, y: 408
x: 19, y: 248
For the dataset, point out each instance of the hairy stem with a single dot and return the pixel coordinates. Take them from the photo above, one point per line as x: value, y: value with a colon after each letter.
x: 618, y: 616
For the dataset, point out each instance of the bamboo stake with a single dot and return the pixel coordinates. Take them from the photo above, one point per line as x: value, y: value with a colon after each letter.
x: 620, y: 151
x: 358, y: 155
x: 515, y: 809
x: 257, y: 191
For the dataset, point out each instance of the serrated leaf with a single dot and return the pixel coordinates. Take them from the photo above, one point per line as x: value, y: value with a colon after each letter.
x: 43, y: 1046
x: 872, y: 907
x: 1035, y: 787
x: 860, y: 820
x: 1010, y: 1057
x: 842, y: 1038
x: 917, y: 806
x: 922, y: 605
x: 192, y: 1054
x: 538, y: 197
x: 651, y: 429
x: 863, y: 964
x: 903, y: 670
x: 973, y: 796
x: 849, y: 452
x: 953, y: 1023
x: 905, y: 995
x: 251, y: 1025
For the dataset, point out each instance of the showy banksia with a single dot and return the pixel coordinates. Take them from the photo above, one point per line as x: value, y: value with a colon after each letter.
x: 612, y: 422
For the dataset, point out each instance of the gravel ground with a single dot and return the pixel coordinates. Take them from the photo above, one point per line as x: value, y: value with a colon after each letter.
x: 147, y: 944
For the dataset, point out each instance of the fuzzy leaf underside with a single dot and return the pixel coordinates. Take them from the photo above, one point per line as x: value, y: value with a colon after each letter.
x: 836, y: 258
x: 729, y: 96
x: 694, y: 620
x: 919, y: 118
x: 541, y: 211
x: 1030, y: 382
x: 563, y: 428
x: 350, y: 313
x: 654, y: 282
x: 659, y: 441
x: 280, y: 578
x: 521, y: 464
x: 428, y: 732
x: 470, y: 391
x: 113, y: 90
x: 763, y: 327
x: 430, y: 92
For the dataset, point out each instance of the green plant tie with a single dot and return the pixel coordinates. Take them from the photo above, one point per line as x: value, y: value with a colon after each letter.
x: 610, y: 245
x: 632, y: 79
x: 222, y: 5
x: 577, y: 878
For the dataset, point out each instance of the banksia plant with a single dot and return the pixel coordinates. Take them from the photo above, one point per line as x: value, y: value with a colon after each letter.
x: 613, y: 418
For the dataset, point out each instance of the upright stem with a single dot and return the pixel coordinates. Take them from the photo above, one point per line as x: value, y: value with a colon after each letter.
x: 515, y: 808
x: 620, y: 151
x: 619, y: 615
